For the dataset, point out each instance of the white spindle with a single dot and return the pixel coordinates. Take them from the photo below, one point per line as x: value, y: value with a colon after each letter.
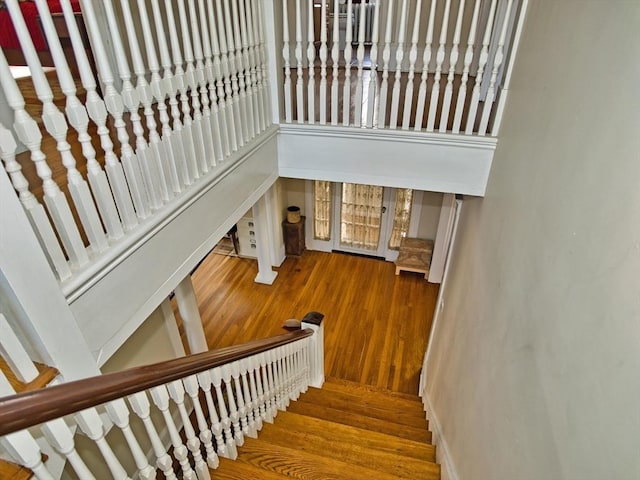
x: 395, y: 97
x: 426, y: 59
x: 14, y: 354
x: 191, y: 386
x: 91, y: 424
x: 298, y: 52
x: 259, y: 19
x: 95, y: 106
x: 335, y: 62
x: 311, y: 58
x: 242, y: 81
x: 468, y: 58
x: 348, y: 49
x: 234, y: 414
x: 497, y: 63
x: 360, y: 56
x: 29, y: 134
x: 205, y: 382
x: 440, y: 56
x: 268, y: 388
x: 140, y: 404
x: 413, y: 56
x: 60, y: 437
x: 251, y: 99
x: 323, y: 65
x: 250, y: 400
x: 181, y: 86
x: 24, y: 450
x: 160, y: 398
x: 386, y: 56
x: 242, y: 407
x: 373, y: 77
x: 287, y: 64
x: 233, y: 72
x: 256, y: 384
x: 453, y: 60
x: 35, y: 212
x: 176, y: 392
x: 225, y: 420
x: 223, y: 117
x: 226, y: 74
x: 258, y: 104
x: 482, y: 62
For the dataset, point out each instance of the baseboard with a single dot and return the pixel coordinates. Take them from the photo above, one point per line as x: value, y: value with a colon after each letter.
x: 443, y: 455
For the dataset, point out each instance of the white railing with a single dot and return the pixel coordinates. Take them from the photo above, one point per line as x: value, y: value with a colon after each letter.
x: 397, y: 64
x: 205, y: 81
x: 215, y: 408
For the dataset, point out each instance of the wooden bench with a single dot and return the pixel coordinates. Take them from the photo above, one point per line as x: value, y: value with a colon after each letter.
x: 415, y: 256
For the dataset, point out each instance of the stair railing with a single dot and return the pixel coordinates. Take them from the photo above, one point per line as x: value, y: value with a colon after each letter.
x: 216, y: 398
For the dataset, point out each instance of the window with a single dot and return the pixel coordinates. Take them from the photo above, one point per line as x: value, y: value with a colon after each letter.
x: 401, y: 217
x: 322, y: 195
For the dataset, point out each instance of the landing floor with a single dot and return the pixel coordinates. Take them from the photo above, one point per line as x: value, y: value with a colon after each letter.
x: 376, y: 323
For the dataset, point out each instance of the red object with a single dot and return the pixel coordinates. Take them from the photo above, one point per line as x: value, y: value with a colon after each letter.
x: 8, y: 36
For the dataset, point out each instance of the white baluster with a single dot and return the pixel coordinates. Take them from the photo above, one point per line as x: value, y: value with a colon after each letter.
x: 29, y: 133
x: 259, y: 19
x: 258, y: 105
x: 180, y: 85
x: 119, y: 414
x: 176, y: 392
x: 214, y: 115
x: 150, y: 160
x: 131, y: 99
x: 275, y: 380
x: 395, y: 97
x: 268, y: 388
x: 298, y: 53
x: 225, y: 63
x: 191, y: 86
x: 60, y: 437
x: 346, y: 89
x: 360, y: 57
x: 91, y: 424
x: 166, y: 167
x: 242, y: 403
x: 14, y: 353
x: 311, y: 58
x: 191, y: 387
x: 24, y: 450
x: 287, y: 64
x: 453, y: 60
x: 335, y: 61
x: 234, y: 414
x: 497, y: 63
x: 259, y: 407
x: 373, y: 77
x: 250, y: 399
x: 413, y: 56
x: 140, y: 405
x: 204, y: 380
x: 426, y: 59
x: 251, y: 100
x: 216, y: 378
x: 233, y: 72
x: 386, y: 56
x: 242, y: 82
x: 482, y: 62
x: 173, y: 145
x: 160, y: 397
x: 79, y: 120
x: 35, y: 212
x: 226, y: 127
x: 323, y: 65
x: 468, y: 58
x: 440, y: 56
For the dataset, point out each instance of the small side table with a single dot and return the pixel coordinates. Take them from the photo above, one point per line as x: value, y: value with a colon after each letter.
x: 293, y: 237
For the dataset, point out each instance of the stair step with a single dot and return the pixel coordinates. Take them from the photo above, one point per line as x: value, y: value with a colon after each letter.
x: 350, y: 450
x: 303, y: 465
x: 11, y: 471
x: 46, y: 375
x: 369, y: 406
x: 339, y: 384
x: 361, y: 421
x: 348, y: 435
x: 234, y: 470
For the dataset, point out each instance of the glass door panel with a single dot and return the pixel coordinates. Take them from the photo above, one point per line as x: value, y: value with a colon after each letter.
x: 361, y: 216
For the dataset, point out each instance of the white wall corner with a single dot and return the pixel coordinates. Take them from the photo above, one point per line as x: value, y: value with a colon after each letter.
x: 443, y: 454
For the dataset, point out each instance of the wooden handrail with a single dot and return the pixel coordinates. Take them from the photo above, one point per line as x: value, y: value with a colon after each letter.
x: 25, y: 410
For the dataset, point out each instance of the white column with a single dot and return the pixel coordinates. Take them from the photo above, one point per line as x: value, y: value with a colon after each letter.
x: 274, y: 218
x: 273, y: 38
x: 188, y: 307
x: 261, y: 220
x: 172, y: 328
x: 313, y: 320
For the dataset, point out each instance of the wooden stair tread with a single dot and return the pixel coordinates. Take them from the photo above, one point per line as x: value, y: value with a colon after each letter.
x: 375, y: 408
x: 361, y: 421
x: 46, y: 375
x: 234, y: 470
x: 304, y: 465
x: 349, y: 435
x: 347, y: 386
x: 353, y: 452
x: 11, y: 471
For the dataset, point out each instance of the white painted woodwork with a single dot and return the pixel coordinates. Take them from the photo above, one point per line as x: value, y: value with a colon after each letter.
x: 242, y: 81
x: 335, y: 60
x: 14, y: 353
x: 386, y: 56
x: 431, y: 162
x: 274, y: 219
x: 453, y: 61
x: 249, y: 400
x: 226, y: 74
x: 443, y: 238
x: 225, y: 420
x: 360, y: 57
x: 440, y: 57
x: 413, y: 56
x: 261, y: 9
x: 257, y: 391
x: 323, y: 66
x: 171, y: 326
x: 316, y: 354
x: 250, y: 99
x: 24, y: 450
x: 373, y: 54
x: 286, y: 55
x: 234, y: 74
x: 34, y: 210
x: 256, y: 101
x: 190, y: 314
x: 348, y: 50
x: 234, y: 413
x: 395, y: 95
x: 260, y: 216
x: 311, y: 58
x: 60, y: 437
x: 426, y: 60
x: 206, y: 384
x: 298, y: 54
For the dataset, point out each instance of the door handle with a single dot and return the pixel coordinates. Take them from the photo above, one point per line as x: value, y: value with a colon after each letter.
x: 384, y: 209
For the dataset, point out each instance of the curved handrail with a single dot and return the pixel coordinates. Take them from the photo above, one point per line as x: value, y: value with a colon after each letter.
x: 25, y: 410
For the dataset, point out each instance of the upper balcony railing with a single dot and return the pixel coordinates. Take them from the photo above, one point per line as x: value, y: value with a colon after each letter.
x: 428, y: 66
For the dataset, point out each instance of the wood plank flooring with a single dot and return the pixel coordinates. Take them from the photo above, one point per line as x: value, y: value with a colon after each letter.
x: 376, y: 323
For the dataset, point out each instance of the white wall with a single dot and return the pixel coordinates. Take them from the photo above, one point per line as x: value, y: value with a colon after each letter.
x: 536, y: 360
x: 429, y: 215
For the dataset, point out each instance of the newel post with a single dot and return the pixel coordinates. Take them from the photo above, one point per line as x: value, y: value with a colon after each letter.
x: 313, y: 320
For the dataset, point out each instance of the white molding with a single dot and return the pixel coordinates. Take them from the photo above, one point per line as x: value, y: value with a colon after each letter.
x: 443, y: 454
x: 443, y: 238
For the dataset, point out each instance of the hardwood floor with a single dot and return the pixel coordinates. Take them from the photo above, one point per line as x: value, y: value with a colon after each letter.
x: 376, y: 324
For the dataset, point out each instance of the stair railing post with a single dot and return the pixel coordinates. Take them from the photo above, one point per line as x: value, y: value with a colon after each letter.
x: 313, y: 320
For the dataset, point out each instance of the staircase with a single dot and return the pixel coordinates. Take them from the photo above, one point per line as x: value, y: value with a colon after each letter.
x: 343, y: 431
